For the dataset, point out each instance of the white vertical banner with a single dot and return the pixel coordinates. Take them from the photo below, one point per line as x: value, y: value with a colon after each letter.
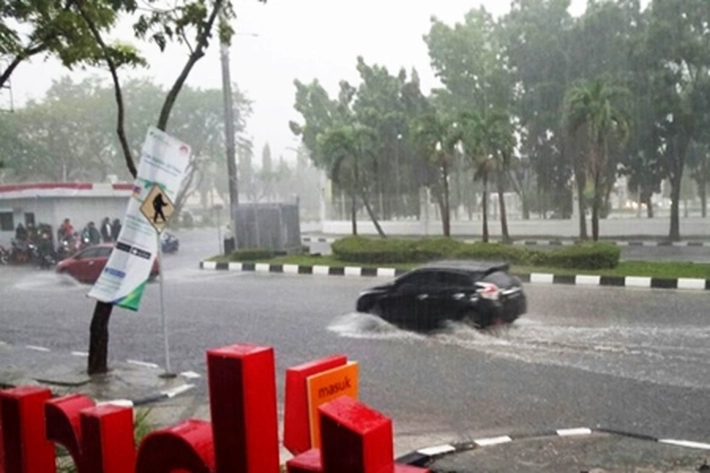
x: 163, y: 162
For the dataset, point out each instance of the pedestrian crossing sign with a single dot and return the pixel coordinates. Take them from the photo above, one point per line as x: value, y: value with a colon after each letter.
x: 157, y: 208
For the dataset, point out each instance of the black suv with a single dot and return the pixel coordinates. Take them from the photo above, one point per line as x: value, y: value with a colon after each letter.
x: 480, y: 294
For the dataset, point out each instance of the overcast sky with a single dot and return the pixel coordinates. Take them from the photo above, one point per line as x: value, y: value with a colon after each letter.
x: 302, y: 39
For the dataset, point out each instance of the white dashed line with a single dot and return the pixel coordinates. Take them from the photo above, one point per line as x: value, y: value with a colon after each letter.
x: 171, y: 393
x: 571, y: 432
x: 80, y: 353
x: 144, y: 364
x: 686, y: 443
x: 438, y: 450
x: 36, y: 348
x: 493, y: 441
x: 190, y: 375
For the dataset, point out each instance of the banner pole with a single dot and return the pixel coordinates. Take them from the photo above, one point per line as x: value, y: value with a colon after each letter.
x: 161, y: 274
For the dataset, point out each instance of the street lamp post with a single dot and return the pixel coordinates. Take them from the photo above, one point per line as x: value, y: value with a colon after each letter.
x: 229, y: 136
x: 229, y: 132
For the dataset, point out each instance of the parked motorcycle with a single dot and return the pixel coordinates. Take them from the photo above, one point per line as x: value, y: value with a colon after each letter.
x: 4, y: 255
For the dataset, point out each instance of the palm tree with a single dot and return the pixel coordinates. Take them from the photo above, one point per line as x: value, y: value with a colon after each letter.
x: 591, y: 107
x: 489, y: 142
x: 347, y: 147
x: 439, y: 135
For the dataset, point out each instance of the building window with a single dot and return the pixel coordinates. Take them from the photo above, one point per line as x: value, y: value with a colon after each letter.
x: 29, y: 219
x: 6, y: 222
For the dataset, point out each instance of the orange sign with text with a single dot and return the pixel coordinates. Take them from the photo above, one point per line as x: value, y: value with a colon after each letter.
x: 326, y: 386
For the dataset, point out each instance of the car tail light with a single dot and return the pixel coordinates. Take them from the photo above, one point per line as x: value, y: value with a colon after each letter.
x: 488, y: 290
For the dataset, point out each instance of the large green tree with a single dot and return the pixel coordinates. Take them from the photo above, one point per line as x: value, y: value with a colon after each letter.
x: 678, y: 42
x: 189, y: 22
x: 594, y: 108
x: 30, y: 28
x: 439, y: 135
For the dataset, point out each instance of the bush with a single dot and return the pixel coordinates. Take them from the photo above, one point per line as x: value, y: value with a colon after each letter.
x: 494, y: 252
x: 357, y: 249
x: 584, y: 256
x: 252, y: 254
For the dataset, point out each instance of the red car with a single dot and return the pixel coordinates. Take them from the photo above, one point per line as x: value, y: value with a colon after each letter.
x: 86, y: 266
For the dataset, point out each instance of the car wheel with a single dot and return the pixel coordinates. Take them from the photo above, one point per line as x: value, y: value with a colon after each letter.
x: 472, y: 319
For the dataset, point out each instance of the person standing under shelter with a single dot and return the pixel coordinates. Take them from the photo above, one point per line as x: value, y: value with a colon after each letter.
x: 106, y: 230
x: 115, y: 229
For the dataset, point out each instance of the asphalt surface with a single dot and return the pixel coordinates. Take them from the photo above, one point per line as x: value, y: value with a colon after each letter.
x: 628, y: 359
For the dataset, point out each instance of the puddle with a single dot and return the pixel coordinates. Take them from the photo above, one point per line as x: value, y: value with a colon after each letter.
x: 676, y: 356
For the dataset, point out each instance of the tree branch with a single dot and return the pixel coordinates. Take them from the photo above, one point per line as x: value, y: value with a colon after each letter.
x: 28, y: 52
x: 195, y: 56
x: 120, y: 129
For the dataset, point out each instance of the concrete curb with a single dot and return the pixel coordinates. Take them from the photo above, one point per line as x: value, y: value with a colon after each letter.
x: 545, y: 278
x: 532, y: 242
x: 425, y: 456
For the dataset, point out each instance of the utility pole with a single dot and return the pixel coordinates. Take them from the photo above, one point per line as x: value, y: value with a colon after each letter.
x: 229, y: 132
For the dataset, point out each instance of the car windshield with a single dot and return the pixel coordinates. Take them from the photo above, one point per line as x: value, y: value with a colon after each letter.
x: 496, y: 209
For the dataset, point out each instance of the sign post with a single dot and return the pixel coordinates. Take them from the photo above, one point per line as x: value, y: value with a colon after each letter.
x: 158, y: 208
x: 163, y: 163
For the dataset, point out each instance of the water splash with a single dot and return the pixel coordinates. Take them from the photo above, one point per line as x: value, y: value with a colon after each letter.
x: 360, y: 325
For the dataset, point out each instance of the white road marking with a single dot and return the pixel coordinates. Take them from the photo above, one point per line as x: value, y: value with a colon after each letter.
x: 584, y: 280
x: 79, y: 353
x: 353, y: 271
x: 144, y: 364
x: 386, y: 272
x: 438, y: 450
x: 116, y: 402
x: 686, y: 443
x: 190, y: 375
x: 541, y: 278
x: 571, y: 432
x: 36, y: 348
x: 171, y: 393
x: 492, y: 441
x: 691, y: 283
x: 635, y: 281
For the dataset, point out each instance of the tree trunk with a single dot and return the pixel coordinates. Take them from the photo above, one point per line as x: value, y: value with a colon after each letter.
x: 353, y: 214
x: 649, y: 206
x: 703, y: 194
x: 526, y: 207
x: 580, y: 178
x: 674, y: 234
x: 445, y: 210
x: 503, y: 216
x: 596, y: 206
x: 484, y: 207
x: 373, y: 217
x: 98, y: 339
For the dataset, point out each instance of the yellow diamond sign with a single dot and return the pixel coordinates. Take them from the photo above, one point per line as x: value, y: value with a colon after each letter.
x: 157, y: 208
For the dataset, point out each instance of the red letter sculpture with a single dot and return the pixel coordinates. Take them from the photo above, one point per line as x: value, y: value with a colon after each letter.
x: 243, y: 435
x: 24, y: 447
x: 99, y: 439
x: 297, y: 431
